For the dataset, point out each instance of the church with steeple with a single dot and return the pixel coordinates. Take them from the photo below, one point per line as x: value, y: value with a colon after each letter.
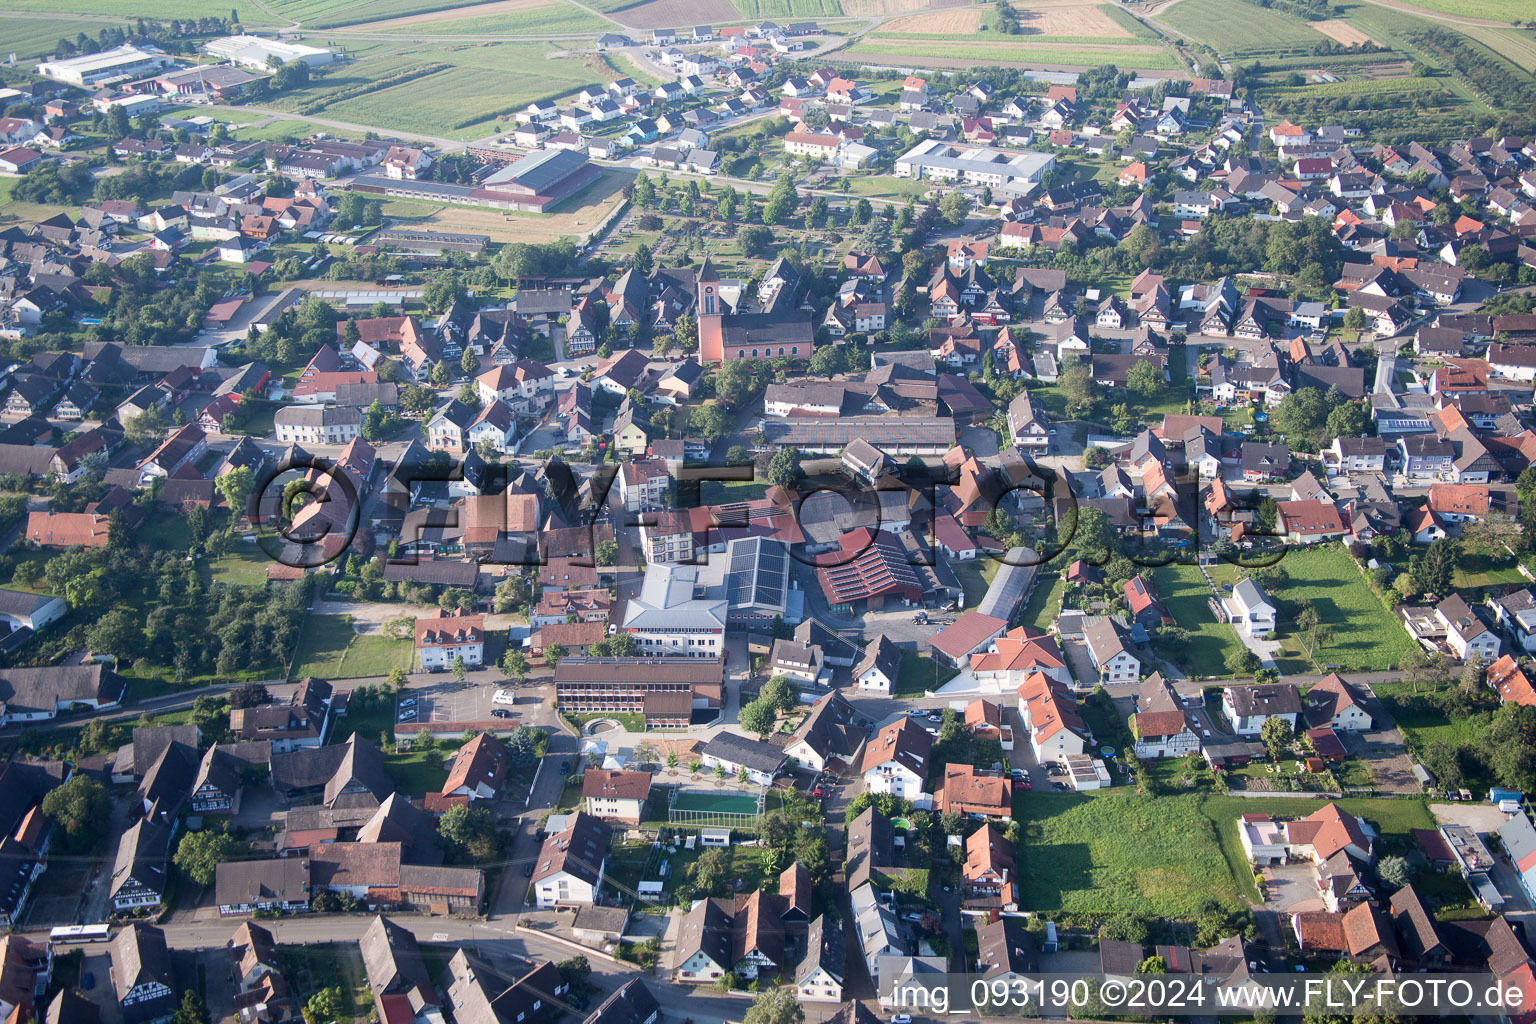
x: 782, y: 326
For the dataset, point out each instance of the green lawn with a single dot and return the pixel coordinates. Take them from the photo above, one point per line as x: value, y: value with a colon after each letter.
x: 555, y: 19
x: 413, y: 774
x: 920, y: 674
x: 751, y: 10
x: 1480, y: 568
x: 245, y: 566
x: 377, y: 721
x: 1366, y: 636
x: 1185, y: 594
x: 1424, y: 723
x: 1044, y: 603
x: 39, y: 37
x: 1114, y: 852
x: 329, y: 649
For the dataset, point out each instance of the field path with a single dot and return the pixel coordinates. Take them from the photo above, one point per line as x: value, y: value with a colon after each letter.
x: 292, y: 24
x: 446, y: 145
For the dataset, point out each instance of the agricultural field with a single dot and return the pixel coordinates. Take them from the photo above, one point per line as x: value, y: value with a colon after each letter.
x: 753, y: 9
x: 1084, y: 21
x: 1033, y: 51
x: 1518, y: 45
x: 37, y: 37
x: 334, y: 13
x: 480, y: 82
x: 538, y: 18
x: 250, y: 14
x: 1493, y: 10
x: 671, y: 13
x: 1342, y: 32
x: 1237, y: 29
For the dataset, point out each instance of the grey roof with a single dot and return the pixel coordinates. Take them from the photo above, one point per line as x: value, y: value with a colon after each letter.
x: 631, y: 1003
x: 579, y: 851
x: 756, y: 755
x: 255, y: 881
x: 393, y: 964
x: 1012, y: 581
x: 1276, y: 699
x: 881, y: 653
x: 1251, y: 593
x: 139, y: 957
x: 824, y: 948
x: 666, y: 601
x: 141, y: 856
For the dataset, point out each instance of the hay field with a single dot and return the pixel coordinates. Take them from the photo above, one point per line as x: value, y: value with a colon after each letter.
x: 876, y: 8
x: 1342, y: 32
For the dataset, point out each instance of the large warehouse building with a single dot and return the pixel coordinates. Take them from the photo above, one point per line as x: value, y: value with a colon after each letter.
x: 108, y: 66
x: 256, y: 52
x: 533, y: 184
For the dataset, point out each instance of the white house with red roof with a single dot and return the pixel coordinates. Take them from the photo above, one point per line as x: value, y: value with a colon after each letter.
x: 896, y: 762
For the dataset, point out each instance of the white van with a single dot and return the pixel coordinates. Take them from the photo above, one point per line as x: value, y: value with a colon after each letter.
x: 504, y: 697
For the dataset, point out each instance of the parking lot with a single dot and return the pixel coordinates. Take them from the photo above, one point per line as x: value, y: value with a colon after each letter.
x: 452, y: 703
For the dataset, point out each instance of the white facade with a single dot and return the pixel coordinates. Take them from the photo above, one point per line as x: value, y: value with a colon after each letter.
x: 898, y: 780
x: 564, y: 887
x: 872, y: 680
x: 441, y: 656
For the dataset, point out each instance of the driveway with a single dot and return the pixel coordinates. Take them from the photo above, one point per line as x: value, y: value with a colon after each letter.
x: 1292, y: 887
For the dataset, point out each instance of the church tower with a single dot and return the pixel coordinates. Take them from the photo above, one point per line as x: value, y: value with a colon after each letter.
x: 707, y: 289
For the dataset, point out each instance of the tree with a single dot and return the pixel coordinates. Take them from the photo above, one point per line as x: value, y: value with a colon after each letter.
x: 234, y: 486
x: 1242, y: 662
x: 778, y: 1005
x: 192, y: 1009
x: 199, y: 854
x: 1143, y: 378
x: 708, y: 874
x: 711, y: 421
x: 827, y: 361
x: 1076, y: 383
x: 1393, y: 871
x: 468, y: 363
x: 1471, y: 679
x: 782, y: 694
x: 1277, y: 733
x: 80, y: 807
x: 759, y: 716
x: 470, y: 830
x: 1354, y: 319
x: 148, y: 426
x: 606, y: 552
x: 514, y: 664
x: 642, y: 262
x: 954, y: 207
x: 574, y: 971
x: 754, y: 240
x: 249, y: 696
x: 324, y: 1006
x: 553, y: 653
x: 783, y: 469
x: 1302, y: 413
x: 1152, y: 965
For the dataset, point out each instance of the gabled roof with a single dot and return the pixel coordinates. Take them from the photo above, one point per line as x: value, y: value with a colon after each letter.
x: 904, y: 742
x: 578, y: 851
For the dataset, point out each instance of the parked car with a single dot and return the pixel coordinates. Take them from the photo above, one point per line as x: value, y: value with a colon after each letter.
x: 500, y: 713
x: 409, y: 702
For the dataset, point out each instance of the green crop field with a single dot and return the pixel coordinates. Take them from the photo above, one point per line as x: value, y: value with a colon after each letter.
x: 1493, y: 10
x: 330, y: 649
x: 481, y: 81
x: 38, y: 37
x: 1517, y: 45
x: 1238, y: 29
x: 751, y: 9
x: 1184, y: 592
x: 554, y: 20
x: 334, y: 13
x: 1034, y: 51
x: 165, y: 10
